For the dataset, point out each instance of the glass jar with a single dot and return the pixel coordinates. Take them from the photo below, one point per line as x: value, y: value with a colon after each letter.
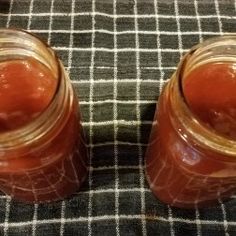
x: 191, y: 156
x: 43, y: 156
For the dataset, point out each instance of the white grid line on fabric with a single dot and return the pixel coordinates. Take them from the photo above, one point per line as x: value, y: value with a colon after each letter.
x: 138, y: 115
x: 198, y: 221
x: 180, y: 43
x: 7, y: 213
x: 31, y: 6
x: 158, y: 46
x: 119, y: 122
x: 71, y: 42
x: 108, y: 101
x: 111, y: 190
x: 5, y: 197
x: 34, y: 221
x: 102, y: 191
x: 198, y: 20
x: 170, y: 219
x: 123, y: 32
x: 180, y: 46
x: 235, y: 5
x: 91, y: 79
x: 8, y: 199
x: 62, y: 220
x: 197, y: 215
x: 103, y: 144
x: 218, y: 16
x: 100, y: 81
x: 49, y: 41
x: 115, y: 116
x: 225, y: 222
x: 208, y: 16
x: 102, y: 49
x: 141, y: 67
x: 50, y: 22
x: 111, y: 68
x: 35, y: 215
x: 9, y: 14
x: 156, y: 218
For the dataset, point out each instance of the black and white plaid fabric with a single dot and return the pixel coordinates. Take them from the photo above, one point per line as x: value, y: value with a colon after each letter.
x: 118, y: 54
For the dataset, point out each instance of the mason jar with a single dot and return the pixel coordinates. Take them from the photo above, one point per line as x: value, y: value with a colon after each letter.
x: 191, y: 156
x: 43, y: 156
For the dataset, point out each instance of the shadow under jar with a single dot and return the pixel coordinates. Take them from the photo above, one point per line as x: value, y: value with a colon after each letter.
x: 42, y: 151
x: 191, y: 157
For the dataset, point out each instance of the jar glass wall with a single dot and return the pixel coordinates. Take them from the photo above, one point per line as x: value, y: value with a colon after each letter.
x: 43, y: 156
x: 191, y: 157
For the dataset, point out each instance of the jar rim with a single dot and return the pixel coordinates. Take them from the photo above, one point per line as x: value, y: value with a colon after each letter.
x: 11, y: 136
x: 201, y: 133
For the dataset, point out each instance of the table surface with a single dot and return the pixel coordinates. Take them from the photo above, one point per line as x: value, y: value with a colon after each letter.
x: 118, y: 55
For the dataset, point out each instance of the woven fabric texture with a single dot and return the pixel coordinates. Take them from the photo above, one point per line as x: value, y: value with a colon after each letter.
x: 118, y: 54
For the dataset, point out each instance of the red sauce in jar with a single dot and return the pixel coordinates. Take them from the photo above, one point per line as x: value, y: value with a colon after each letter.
x: 26, y: 89
x: 181, y: 172
x: 210, y: 91
x: 51, y: 167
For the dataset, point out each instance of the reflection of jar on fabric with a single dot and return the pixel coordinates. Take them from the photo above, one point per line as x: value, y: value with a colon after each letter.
x: 191, y: 157
x: 42, y: 152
